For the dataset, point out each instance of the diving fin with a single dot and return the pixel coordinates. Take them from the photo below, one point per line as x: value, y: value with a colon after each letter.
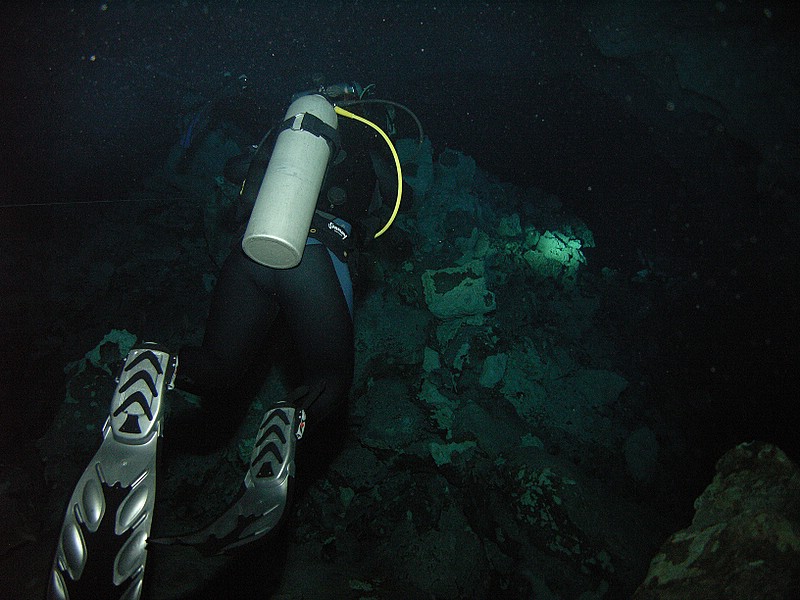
x: 268, y: 482
x: 102, y: 547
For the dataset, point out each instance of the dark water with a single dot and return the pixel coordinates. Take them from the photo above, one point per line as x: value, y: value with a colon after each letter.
x: 671, y: 131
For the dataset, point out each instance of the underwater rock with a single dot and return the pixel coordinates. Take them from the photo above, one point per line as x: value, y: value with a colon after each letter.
x: 450, y: 210
x: 442, y: 407
x: 359, y: 467
x: 391, y: 421
x: 744, y: 540
x: 417, y: 161
x: 381, y: 344
x: 559, y: 395
x: 431, y: 360
x: 509, y: 226
x: 114, y: 346
x: 556, y: 256
x: 494, y: 367
x: 443, y: 453
x: 417, y: 557
x: 458, y: 291
x: 455, y: 170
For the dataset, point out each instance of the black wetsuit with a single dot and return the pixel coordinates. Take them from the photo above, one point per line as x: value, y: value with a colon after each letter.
x: 249, y: 297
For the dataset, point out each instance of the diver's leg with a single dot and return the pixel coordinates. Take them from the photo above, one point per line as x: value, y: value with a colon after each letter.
x: 319, y: 320
x: 242, y: 311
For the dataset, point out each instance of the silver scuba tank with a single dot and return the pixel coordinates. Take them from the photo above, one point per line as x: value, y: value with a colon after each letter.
x: 278, y: 228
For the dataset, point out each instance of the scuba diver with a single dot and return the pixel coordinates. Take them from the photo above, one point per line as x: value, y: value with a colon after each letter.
x: 314, y: 190
x: 234, y: 104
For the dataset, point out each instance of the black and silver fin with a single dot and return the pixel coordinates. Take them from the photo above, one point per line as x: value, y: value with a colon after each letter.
x: 102, y: 547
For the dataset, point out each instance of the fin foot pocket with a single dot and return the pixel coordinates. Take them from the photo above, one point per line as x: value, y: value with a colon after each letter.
x: 265, y: 492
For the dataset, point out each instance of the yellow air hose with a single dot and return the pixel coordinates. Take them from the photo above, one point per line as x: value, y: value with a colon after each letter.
x: 346, y: 113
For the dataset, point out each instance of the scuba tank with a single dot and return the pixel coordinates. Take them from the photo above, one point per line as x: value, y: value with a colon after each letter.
x: 278, y: 228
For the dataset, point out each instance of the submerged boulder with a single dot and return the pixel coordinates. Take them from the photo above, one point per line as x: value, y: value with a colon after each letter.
x: 744, y: 540
x: 458, y: 291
